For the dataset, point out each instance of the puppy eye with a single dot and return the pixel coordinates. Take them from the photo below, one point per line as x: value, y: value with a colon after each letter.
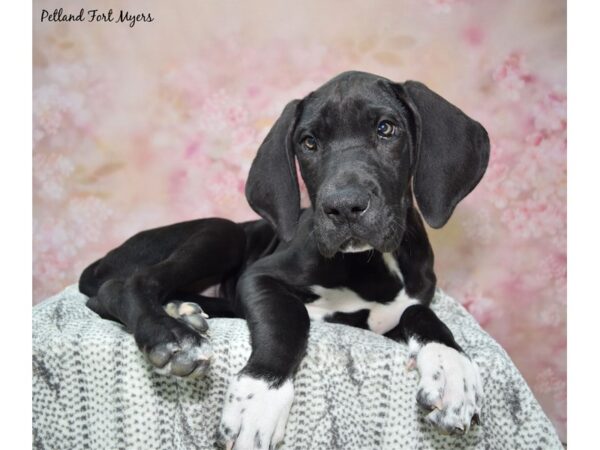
x: 310, y: 143
x: 386, y: 129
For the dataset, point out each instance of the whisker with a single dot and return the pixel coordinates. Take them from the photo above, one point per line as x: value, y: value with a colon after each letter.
x: 371, y: 253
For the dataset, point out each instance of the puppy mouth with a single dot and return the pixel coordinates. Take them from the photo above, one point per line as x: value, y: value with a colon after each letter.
x: 381, y: 232
x: 331, y: 243
x: 339, y: 244
x: 355, y: 245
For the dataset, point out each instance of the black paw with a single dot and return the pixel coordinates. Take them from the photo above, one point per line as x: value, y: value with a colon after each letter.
x: 173, y: 347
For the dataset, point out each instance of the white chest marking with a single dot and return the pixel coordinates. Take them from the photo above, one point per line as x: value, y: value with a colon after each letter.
x: 382, y: 316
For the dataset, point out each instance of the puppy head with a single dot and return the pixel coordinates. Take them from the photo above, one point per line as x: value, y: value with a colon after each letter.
x: 364, y: 144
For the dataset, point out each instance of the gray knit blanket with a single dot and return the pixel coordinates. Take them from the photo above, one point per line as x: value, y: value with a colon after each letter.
x: 93, y: 389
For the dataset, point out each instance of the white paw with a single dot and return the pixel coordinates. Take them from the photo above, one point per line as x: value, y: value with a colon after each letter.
x: 450, y: 386
x: 255, y: 414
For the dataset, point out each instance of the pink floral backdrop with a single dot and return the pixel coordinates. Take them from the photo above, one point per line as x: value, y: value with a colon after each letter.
x: 144, y: 126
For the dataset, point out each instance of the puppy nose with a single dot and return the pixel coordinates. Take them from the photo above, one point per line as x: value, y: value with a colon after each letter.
x: 348, y: 204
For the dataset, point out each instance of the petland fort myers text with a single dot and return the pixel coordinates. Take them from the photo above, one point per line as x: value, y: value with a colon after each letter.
x: 95, y: 15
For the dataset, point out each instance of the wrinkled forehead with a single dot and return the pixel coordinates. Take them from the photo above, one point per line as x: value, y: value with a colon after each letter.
x: 348, y: 103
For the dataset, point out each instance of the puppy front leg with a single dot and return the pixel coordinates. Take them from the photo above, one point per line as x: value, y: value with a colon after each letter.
x: 260, y: 396
x: 450, y: 387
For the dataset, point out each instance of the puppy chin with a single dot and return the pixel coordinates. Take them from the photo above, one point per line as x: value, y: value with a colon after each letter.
x: 329, y: 247
x: 355, y: 246
x: 328, y: 250
x: 356, y: 240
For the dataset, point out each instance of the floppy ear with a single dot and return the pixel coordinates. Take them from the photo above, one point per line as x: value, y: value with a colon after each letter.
x: 272, y: 186
x: 452, y: 152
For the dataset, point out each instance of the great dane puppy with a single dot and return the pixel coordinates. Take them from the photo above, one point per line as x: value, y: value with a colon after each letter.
x: 367, y: 149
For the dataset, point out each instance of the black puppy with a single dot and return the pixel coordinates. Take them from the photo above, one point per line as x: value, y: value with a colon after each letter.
x: 359, y: 255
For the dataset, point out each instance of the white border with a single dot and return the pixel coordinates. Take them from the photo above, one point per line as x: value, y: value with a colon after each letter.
x: 583, y: 224
x: 15, y: 259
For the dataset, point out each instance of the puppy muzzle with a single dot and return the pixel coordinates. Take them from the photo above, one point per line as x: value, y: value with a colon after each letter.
x: 354, y: 221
